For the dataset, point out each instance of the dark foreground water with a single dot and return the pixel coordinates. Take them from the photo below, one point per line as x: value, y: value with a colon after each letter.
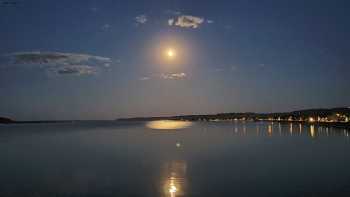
x: 205, y: 159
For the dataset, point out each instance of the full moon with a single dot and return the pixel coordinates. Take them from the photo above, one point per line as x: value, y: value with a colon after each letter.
x: 170, y: 53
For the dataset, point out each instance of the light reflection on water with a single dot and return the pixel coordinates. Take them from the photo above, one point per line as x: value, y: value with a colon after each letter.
x: 312, y: 131
x: 175, y: 178
x: 168, y: 124
x: 291, y: 129
x: 270, y: 130
x: 273, y: 129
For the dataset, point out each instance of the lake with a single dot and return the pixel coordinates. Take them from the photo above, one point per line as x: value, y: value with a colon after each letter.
x: 111, y: 158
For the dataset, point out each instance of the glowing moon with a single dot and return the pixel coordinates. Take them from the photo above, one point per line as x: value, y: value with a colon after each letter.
x: 170, y: 53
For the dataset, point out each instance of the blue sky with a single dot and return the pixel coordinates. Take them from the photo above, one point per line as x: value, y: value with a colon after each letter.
x: 106, y: 59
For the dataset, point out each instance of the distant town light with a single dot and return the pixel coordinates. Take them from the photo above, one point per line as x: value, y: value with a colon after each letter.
x: 311, y: 119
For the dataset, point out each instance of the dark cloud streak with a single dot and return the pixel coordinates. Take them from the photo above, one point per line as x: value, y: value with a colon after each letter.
x: 61, y: 63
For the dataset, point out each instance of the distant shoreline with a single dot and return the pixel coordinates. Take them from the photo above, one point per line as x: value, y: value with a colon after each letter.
x: 332, y: 117
x: 340, y: 125
x: 43, y: 121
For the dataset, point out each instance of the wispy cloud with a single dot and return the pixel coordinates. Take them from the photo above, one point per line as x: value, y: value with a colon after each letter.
x: 173, y: 76
x: 210, y: 21
x: 54, y: 57
x: 61, y: 63
x: 166, y: 76
x: 9, y: 3
x: 171, y: 22
x: 186, y: 21
x: 141, y: 19
x: 225, y: 69
x: 144, y: 78
x: 106, y: 27
x: 75, y: 70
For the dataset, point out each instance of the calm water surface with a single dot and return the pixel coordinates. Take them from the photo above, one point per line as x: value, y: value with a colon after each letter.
x: 146, y: 159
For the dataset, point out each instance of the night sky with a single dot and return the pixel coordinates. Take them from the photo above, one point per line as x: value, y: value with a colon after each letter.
x: 109, y: 59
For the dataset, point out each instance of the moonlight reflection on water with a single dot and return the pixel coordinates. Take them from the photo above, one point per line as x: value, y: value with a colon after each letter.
x: 168, y: 124
x: 175, y: 182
